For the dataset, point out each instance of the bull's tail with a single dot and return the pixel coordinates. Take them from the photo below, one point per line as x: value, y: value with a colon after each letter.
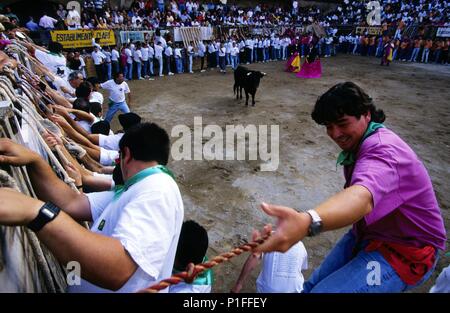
x: 235, y: 87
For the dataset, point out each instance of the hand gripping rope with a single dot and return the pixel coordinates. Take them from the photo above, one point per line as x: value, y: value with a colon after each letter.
x: 192, y: 270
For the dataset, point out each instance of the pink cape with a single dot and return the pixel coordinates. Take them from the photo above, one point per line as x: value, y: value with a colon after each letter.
x: 310, y: 70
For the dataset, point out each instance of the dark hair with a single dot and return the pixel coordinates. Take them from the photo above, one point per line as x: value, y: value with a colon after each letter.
x: 55, y: 47
x: 81, y: 104
x: 117, y: 74
x: 147, y: 142
x: 95, y: 108
x: 93, y: 80
x: 192, y: 245
x: 117, y: 175
x: 84, y: 90
x: 345, y: 98
x: 101, y: 127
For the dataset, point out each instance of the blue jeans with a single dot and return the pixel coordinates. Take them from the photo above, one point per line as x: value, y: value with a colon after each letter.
x: 114, y: 107
x: 414, y: 55
x: 129, y: 71
x: 190, y: 57
x: 109, y: 71
x: 138, y: 69
x: 145, y: 68
x: 161, y: 64
x: 150, y: 67
x: 234, y: 62
x: 179, y: 65
x: 341, y: 272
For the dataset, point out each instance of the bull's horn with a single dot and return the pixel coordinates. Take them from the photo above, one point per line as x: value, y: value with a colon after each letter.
x: 249, y: 73
x: 264, y: 73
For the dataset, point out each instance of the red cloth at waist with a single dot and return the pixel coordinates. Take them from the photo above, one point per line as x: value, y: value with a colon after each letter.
x: 410, y: 263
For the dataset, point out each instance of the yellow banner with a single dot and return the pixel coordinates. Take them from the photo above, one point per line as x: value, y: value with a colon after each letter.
x: 83, y: 38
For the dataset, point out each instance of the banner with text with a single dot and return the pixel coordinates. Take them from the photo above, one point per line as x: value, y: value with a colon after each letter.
x: 443, y: 32
x: 371, y: 30
x: 83, y: 38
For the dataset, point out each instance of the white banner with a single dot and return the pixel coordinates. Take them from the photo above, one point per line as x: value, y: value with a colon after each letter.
x: 443, y: 32
x: 207, y: 33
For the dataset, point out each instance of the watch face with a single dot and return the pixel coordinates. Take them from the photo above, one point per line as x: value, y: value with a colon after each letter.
x: 48, y: 213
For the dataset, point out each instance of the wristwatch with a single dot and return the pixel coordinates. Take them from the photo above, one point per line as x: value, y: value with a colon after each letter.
x: 316, y: 225
x: 47, y: 213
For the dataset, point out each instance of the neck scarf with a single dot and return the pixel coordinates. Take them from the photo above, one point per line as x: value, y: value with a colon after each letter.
x: 349, y: 157
x: 204, y: 278
x: 118, y: 190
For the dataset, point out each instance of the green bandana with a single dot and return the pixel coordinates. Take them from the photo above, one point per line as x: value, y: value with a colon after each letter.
x: 204, y: 278
x: 349, y: 157
x: 118, y: 190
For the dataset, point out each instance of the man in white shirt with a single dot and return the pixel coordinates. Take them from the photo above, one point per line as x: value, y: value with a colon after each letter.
x: 151, y: 57
x: 54, y: 60
x: 117, y: 88
x: 99, y: 59
x: 168, y: 53
x: 67, y: 87
x: 159, y: 56
x: 178, y: 59
x: 144, y: 53
x: 47, y: 24
x: 73, y: 19
x: 115, y: 56
x: 201, y: 54
x: 133, y: 238
x: 137, y: 57
x: 129, y: 66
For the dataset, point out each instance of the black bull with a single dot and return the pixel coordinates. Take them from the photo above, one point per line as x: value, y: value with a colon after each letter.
x: 247, y: 79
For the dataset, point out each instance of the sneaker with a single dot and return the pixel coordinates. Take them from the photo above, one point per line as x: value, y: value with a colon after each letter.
x: 202, y: 71
x: 151, y: 78
x: 141, y: 78
x: 162, y: 75
x: 191, y: 72
x: 170, y: 74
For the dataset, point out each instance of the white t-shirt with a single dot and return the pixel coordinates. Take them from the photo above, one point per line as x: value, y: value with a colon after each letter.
x: 85, y: 125
x: 116, y: 91
x: 129, y: 56
x: 98, y: 57
x: 115, y: 55
x: 59, y: 82
x: 147, y: 220
x: 110, y: 142
x: 137, y: 56
x: 282, y: 272
x: 158, y: 51
x: 144, y: 53
x: 442, y: 283
x: 96, y: 97
x: 108, y: 157
x: 54, y: 62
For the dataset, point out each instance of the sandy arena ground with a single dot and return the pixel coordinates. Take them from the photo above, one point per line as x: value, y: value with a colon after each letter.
x: 224, y: 196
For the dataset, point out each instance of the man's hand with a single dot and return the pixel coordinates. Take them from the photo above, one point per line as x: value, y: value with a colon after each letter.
x: 292, y: 226
x: 52, y: 140
x: 73, y: 173
x: 17, y: 208
x: 15, y: 154
x: 61, y: 121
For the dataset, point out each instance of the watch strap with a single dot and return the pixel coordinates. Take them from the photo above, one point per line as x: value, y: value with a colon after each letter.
x: 47, y: 213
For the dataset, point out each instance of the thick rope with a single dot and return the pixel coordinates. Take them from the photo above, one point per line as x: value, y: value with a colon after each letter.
x: 7, y: 181
x: 192, y: 270
x: 53, y: 159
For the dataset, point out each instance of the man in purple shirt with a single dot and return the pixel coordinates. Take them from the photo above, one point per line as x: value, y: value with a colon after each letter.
x: 388, y: 198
